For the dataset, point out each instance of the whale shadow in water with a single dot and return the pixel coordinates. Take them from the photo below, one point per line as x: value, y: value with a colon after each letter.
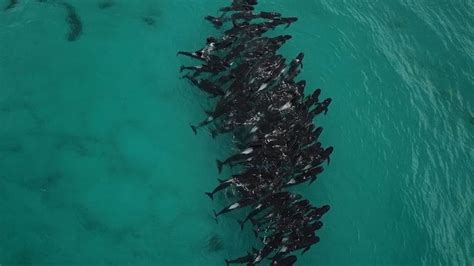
x: 45, y: 182
x: 152, y: 14
x: 214, y: 243
x: 11, y: 5
x: 106, y: 4
x: 149, y: 20
x: 88, y: 221
x: 11, y: 147
x: 24, y: 256
x: 75, y: 24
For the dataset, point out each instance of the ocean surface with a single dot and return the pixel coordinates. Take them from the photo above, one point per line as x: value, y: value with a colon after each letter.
x: 98, y: 164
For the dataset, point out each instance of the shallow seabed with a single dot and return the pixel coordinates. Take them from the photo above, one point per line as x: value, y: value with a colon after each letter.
x: 98, y: 164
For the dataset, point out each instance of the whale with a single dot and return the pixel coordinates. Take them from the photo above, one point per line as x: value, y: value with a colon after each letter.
x: 257, y: 99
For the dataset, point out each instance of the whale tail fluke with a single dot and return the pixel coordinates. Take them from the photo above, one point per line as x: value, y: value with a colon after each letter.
x: 219, y: 166
x: 217, y: 22
x: 210, y: 195
x: 255, y: 233
x: 241, y: 223
x: 215, y: 216
x: 305, y: 250
x: 194, y: 128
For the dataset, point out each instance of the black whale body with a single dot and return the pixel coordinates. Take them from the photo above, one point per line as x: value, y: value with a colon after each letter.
x: 259, y: 101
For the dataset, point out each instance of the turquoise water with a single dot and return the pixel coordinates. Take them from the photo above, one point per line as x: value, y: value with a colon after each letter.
x: 98, y: 164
